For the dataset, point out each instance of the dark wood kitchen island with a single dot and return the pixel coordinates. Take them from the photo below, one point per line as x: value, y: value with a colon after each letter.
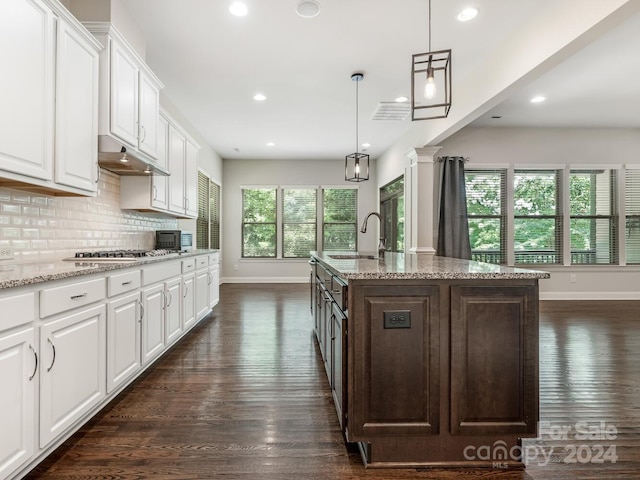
x: 432, y: 361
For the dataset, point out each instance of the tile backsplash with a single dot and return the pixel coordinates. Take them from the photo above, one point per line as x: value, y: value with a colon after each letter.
x: 42, y: 228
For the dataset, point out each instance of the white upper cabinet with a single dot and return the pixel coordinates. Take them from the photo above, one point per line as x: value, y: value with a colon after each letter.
x: 177, y: 147
x: 48, y: 98
x: 129, y: 93
x: 27, y: 54
x: 191, y: 180
x: 76, y: 146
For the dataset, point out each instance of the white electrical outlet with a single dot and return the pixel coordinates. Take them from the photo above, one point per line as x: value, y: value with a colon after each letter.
x: 573, y: 278
x: 6, y: 253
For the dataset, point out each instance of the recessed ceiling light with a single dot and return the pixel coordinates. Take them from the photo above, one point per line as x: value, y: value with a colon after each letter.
x: 238, y: 9
x: 271, y: 144
x: 468, y: 14
x: 538, y: 99
x: 308, y: 8
x: 366, y: 145
x: 259, y: 97
x: 402, y: 99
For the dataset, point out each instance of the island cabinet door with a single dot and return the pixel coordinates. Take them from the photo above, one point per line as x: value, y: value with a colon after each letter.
x: 394, y: 361
x: 494, y: 360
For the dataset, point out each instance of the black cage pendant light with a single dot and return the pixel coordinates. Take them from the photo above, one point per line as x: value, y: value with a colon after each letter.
x: 430, y: 82
x: 356, y: 165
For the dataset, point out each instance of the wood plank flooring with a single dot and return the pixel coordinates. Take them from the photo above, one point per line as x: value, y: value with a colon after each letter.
x: 245, y: 396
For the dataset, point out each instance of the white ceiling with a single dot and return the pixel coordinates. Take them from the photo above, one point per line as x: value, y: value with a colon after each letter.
x: 212, y: 64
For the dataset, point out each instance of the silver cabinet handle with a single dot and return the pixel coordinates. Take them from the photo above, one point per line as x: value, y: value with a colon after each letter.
x: 53, y: 360
x: 144, y: 133
x: 141, y: 311
x: 209, y: 278
x: 127, y: 283
x: 186, y: 289
x: 76, y: 297
x: 98, y: 174
x: 155, y: 192
x: 170, y: 298
x: 35, y: 355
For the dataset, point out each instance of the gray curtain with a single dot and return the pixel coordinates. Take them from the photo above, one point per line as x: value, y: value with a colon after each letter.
x: 453, y: 228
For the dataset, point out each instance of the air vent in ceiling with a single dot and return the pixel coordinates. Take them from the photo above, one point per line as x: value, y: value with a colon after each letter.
x: 392, y: 111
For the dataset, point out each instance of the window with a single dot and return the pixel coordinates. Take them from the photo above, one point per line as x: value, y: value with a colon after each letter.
x: 208, y: 221
x: 592, y: 221
x: 392, y: 210
x: 632, y: 216
x: 537, y: 222
x: 486, y: 201
x: 259, y: 222
x: 298, y: 222
x: 284, y: 222
x: 339, y: 219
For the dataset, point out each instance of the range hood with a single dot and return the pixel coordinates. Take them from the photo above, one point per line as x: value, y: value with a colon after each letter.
x: 115, y: 156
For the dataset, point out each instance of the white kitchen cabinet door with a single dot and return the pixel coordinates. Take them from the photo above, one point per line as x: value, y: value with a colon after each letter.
x: 214, y: 284
x: 124, y: 318
x: 18, y: 367
x: 160, y: 183
x: 191, y: 180
x: 173, y: 323
x: 153, y: 302
x: 202, y: 292
x: 188, y: 301
x: 176, y: 167
x: 27, y: 42
x: 124, y: 94
x: 76, y: 145
x: 73, y: 370
x: 148, y: 113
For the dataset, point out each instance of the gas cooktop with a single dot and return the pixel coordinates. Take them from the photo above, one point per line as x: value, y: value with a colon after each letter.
x: 116, y: 255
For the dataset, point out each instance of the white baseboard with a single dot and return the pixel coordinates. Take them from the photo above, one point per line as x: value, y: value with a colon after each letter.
x: 265, y: 280
x: 589, y: 295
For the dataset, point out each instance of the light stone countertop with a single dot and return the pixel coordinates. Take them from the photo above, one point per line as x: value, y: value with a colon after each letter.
x: 399, y: 266
x: 20, y: 274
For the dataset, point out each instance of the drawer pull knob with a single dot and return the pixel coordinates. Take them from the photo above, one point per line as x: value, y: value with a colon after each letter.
x: 35, y: 355
x: 53, y: 360
x: 76, y: 297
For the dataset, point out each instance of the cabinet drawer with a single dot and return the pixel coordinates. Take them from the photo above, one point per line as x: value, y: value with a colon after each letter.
x: 59, y: 299
x: 123, y: 282
x: 158, y: 273
x: 21, y: 308
x: 214, y: 258
x: 188, y: 265
x: 202, y: 261
x: 339, y: 292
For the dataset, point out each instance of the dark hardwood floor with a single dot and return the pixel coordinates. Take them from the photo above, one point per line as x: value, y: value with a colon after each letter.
x: 245, y: 396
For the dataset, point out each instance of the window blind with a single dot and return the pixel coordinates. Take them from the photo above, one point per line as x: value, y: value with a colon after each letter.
x: 537, y: 216
x: 202, y: 222
x: 339, y: 219
x: 214, y: 215
x: 486, y: 211
x: 632, y: 218
x: 593, y: 220
x: 259, y: 214
x: 298, y: 222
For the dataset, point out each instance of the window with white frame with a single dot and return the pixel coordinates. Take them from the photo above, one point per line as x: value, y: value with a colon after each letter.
x: 593, y: 219
x: 284, y: 222
x: 632, y: 216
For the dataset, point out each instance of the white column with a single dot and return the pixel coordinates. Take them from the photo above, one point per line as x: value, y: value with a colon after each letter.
x: 421, y: 200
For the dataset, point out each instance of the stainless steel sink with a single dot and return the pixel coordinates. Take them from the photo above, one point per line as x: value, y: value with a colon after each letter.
x: 354, y: 257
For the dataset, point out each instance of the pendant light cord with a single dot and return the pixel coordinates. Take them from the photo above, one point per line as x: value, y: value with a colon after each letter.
x: 429, y: 21
x: 357, y: 143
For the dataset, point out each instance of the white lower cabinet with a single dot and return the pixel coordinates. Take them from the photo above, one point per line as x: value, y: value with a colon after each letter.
x: 18, y: 367
x: 124, y: 318
x: 153, y: 303
x: 73, y: 370
x: 189, y: 300
x: 214, y: 281
x: 202, y: 284
x: 172, y: 314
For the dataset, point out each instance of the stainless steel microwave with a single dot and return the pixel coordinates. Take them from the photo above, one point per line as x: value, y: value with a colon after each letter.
x: 178, y: 240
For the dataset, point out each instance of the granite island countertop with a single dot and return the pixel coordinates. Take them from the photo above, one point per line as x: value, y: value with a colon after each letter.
x: 400, y: 266
x: 20, y: 274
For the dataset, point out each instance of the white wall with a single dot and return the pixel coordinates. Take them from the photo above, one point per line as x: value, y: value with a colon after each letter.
x: 239, y: 173
x: 557, y: 146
